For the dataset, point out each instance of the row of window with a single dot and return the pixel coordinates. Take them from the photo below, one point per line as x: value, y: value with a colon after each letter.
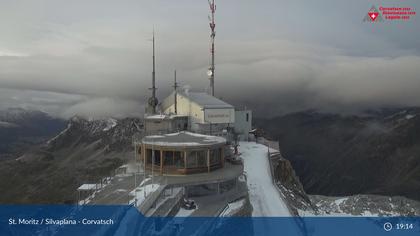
x: 195, y: 159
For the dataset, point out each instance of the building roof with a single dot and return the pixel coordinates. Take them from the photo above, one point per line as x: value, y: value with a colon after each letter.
x: 86, y: 187
x: 200, y: 98
x: 205, y: 100
x: 183, y: 139
x: 163, y: 116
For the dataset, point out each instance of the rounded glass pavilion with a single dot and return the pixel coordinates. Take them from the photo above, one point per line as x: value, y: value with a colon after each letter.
x: 182, y: 153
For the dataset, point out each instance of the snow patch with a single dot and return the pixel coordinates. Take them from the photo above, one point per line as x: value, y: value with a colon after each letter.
x: 408, y: 117
x: 141, y: 193
x: 156, y: 136
x: 156, y: 117
x: 95, y: 188
x: 120, y: 190
x: 185, y: 213
x: 233, y: 208
x: 61, y: 133
x: 264, y: 196
x: 87, y: 187
x: 206, y: 139
x: 341, y: 200
x: 7, y: 124
x: 110, y: 123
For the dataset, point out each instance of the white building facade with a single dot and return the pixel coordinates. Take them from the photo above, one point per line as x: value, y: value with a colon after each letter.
x: 207, y: 114
x: 243, y: 123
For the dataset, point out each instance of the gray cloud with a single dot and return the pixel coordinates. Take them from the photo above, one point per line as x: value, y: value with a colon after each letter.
x: 49, y: 102
x: 94, y: 58
x: 104, y: 107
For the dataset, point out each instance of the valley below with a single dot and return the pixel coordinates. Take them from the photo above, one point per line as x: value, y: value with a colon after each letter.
x: 375, y: 157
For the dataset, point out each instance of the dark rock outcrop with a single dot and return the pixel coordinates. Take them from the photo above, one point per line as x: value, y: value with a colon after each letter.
x: 375, y: 153
x: 290, y: 185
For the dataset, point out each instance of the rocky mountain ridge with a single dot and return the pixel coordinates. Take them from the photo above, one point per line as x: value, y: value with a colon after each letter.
x: 84, y: 152
x: 22, y: 129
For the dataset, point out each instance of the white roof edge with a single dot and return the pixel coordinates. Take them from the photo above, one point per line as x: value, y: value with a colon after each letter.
x: 222, y: 104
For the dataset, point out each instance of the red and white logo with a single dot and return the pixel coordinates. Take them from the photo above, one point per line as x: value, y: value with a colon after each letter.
x: 373, y: 15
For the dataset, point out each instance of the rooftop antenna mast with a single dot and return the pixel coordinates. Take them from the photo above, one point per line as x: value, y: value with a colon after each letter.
x: 210, y: 72
x: 153, y: 101
x: 175, y: 86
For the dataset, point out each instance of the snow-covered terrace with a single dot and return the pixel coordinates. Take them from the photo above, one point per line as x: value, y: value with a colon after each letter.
x: 183, y: 139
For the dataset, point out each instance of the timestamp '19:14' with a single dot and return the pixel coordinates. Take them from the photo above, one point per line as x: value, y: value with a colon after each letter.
x: 404, y: 226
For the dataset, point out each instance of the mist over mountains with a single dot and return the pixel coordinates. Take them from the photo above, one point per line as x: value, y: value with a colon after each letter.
x: 22, y: 129
x: 336, y: 155
x: 94, y: 58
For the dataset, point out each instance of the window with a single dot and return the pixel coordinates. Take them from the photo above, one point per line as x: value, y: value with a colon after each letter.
x: 215, y: 156
x: 191, y: 159
x: 157, y: 157
x: 149, y: 156
x: 168, y: 158
x: 247, y: 117
x: 201, y: 159
x: 179, y: 159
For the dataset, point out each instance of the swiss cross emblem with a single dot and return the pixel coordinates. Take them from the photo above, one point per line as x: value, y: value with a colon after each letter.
x: 373, y: 15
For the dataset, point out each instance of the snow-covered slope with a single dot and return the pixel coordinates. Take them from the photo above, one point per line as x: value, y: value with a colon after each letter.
x: 363, y: 205
x: 265, y: 198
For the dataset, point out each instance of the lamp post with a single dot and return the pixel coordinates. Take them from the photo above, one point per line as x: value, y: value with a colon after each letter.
x: 153, y: 157
x: 135, y: 162
x: 144, y: 162
x: 153, y: 162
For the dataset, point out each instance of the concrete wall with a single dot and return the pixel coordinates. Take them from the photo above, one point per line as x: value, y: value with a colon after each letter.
x: 219, y: 115
x: 186, y: 107
x: 165, y: 125
x: 155, y: 126
x: 242, y: 124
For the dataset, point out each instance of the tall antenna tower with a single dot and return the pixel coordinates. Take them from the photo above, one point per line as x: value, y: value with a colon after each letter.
x: 153, y: 101
x: 210, y: 72
x: 175, y: 86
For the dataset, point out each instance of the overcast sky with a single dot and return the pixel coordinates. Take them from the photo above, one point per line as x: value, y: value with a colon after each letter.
x: 94, y: 57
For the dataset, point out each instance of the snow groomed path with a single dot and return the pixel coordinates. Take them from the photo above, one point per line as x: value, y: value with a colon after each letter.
x: 264, y: 196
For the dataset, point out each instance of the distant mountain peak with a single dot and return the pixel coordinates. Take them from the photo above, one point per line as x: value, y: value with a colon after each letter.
x: 113, y: 132
x: 18, y: 115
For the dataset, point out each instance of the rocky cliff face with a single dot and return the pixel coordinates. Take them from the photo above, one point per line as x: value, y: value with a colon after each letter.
x: 375, y: 153
x: 291, y: 186
x: 84, y: 152
x: 356, y: 205
x: 110, y: 134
